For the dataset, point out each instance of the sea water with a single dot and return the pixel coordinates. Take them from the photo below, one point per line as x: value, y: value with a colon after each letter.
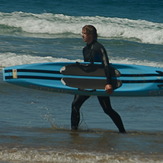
x: 35, y: 125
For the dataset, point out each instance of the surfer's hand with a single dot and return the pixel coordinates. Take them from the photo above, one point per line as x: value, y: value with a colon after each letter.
x: 109, y: 88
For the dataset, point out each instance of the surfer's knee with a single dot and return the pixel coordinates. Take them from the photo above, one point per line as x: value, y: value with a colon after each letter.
x: 108, y: 110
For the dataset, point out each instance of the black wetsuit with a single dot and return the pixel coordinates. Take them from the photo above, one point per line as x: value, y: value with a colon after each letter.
x: 95, y: 52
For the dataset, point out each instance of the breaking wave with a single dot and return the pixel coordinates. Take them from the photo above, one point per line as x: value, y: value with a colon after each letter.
x: 12, y: 59
x: 59, y: 25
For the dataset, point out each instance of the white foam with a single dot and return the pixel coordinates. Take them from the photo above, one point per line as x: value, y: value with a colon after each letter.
x: 59, y: 24
x: 137, y: 62
x: 12, y: 59
x: 48, y: 155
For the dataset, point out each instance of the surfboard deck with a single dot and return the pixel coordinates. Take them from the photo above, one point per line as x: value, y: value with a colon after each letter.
x: 88, y: 70
x: 136, y: 80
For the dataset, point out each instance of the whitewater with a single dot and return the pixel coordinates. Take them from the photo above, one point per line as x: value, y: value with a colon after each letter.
x: 59, y: 25
x: 12, y: 59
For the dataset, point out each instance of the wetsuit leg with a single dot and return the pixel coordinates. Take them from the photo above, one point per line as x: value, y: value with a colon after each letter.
x: 75, y: 113
x: 106, y: 105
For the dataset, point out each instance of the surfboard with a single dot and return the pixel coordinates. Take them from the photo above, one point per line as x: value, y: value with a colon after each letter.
x: 81, y: 78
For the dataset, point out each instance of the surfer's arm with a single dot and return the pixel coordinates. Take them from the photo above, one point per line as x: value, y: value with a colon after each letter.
x: 105, y: 62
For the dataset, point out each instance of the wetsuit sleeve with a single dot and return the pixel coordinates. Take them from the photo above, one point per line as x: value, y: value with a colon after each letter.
x: 105, y: 62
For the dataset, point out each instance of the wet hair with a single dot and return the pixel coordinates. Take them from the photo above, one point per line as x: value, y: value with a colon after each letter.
x: 90, y: 29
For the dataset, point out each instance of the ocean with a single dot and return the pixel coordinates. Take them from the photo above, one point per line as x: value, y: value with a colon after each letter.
x: 35, y: 124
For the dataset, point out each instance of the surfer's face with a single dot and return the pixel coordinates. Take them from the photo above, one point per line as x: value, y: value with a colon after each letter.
x: 88, y: 38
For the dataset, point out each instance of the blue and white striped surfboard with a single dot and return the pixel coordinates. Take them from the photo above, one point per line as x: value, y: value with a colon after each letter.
x: 75, y: 78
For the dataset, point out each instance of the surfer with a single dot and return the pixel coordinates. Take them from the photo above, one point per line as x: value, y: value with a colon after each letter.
x: 95, y: 52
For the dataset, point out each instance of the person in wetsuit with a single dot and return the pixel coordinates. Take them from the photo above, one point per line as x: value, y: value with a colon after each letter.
x: 95, y: 52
